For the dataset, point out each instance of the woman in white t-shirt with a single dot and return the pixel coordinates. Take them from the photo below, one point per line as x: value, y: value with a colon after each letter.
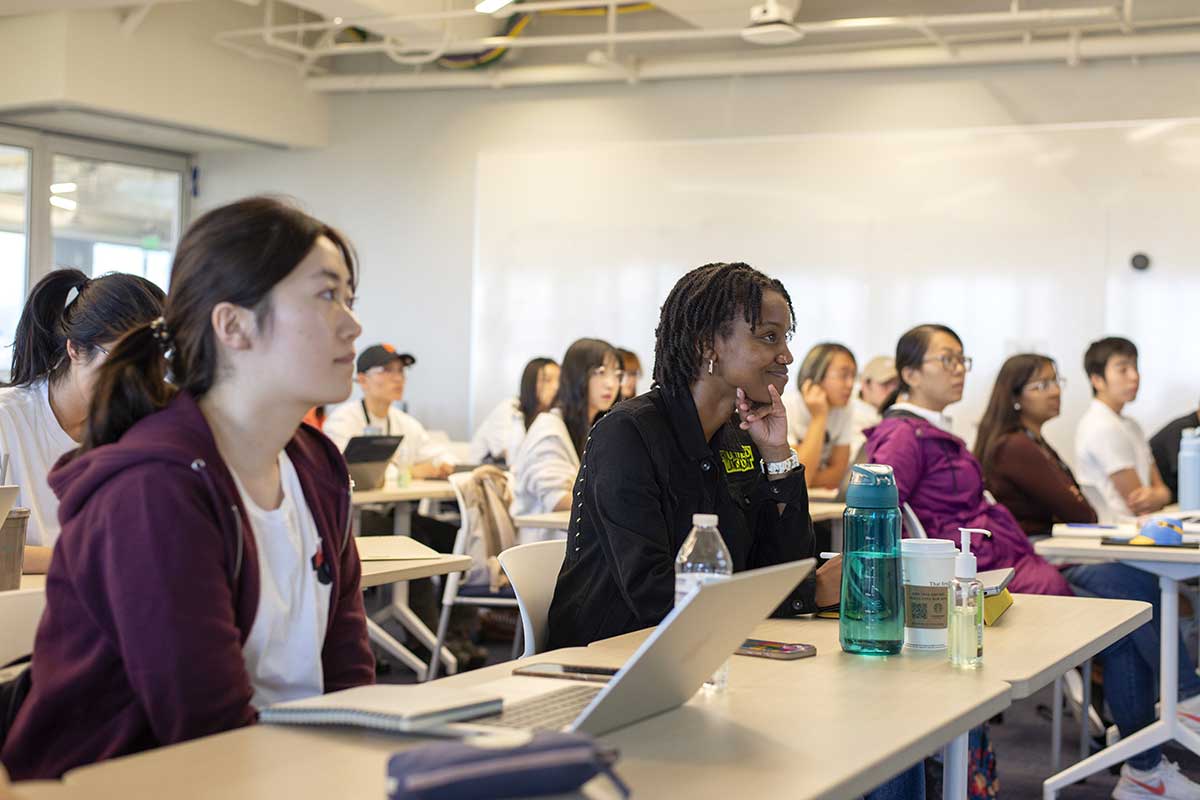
x: 545, y: 465
x: 820, y: 420
x: 498, y: 438
x: 67, y: 328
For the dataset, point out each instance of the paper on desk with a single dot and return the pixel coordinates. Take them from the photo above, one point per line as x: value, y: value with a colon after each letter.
x: 392, y: 548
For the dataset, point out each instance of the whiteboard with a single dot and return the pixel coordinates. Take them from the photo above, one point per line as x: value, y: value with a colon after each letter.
x: 1018, y: 238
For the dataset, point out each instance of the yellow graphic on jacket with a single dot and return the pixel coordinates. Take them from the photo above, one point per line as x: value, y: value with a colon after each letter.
x: 738, y: 460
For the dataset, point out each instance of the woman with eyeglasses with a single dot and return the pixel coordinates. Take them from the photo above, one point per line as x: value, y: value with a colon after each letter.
x: 547, y: 460
x: 67, y: 328
x: 943, y: 483
x: 1021, y: 469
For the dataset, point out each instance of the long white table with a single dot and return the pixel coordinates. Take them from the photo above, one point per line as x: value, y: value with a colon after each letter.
x: 833, y: 726
x: 1171, y: 566
x: 404, y: 500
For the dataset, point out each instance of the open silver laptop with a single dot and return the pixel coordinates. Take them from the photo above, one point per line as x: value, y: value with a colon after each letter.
x: 670, y: 666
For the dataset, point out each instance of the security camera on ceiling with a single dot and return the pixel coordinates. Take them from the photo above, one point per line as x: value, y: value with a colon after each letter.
x: 771, y: 23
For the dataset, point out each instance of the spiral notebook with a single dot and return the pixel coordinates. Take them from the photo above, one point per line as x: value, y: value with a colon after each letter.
x: 396, y: 709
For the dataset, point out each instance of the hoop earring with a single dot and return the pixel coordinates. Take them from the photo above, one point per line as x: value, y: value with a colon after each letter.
x: 710, y: 366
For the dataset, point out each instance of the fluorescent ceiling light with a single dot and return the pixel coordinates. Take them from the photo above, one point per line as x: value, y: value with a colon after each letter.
x: 63, y: 188
x: 490, y: 6
x: 65, y: 203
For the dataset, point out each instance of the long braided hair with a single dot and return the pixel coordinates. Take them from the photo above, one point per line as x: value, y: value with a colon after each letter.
x: 701, y: 307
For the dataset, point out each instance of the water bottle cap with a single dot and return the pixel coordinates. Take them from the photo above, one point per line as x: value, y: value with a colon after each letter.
x: 705, y: 520
x: 872, y: 486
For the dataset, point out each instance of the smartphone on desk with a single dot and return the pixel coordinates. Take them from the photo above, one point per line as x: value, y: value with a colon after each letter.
x: 570, y: 672
x: 784, y: 651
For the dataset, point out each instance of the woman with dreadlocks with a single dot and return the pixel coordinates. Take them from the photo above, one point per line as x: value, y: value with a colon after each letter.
x: 709, y: 437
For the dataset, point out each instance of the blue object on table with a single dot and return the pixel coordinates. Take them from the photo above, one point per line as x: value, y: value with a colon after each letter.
x: 541, y: 764
x: 872, y: 607
x: 1160, y: 531
x: 1189, y: 469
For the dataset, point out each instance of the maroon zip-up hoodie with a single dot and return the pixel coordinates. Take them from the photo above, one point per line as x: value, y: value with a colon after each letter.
x: 152, y: 592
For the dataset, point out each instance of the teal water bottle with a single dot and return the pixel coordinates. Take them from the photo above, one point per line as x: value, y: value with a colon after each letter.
x: 872, y: 608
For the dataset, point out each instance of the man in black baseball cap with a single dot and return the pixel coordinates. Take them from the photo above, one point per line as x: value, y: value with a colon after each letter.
x: 380, y: 355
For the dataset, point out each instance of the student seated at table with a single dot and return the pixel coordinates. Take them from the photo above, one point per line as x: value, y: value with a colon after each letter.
x: 877, y: 380
x: 1021, y: 469
x: 633, y: 371
x: 66, y: 330
x: 1164, y: 446
x: 943, y: 483
x: 382, y: 376
x: 547, y: 460
x: 692, y: 444
x: 502, y: 430
x: 1111, y: 452
x: 205, y: 567
x: 820, y: 421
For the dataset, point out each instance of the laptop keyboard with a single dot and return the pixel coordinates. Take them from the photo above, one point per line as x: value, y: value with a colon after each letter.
x: 547, y: 712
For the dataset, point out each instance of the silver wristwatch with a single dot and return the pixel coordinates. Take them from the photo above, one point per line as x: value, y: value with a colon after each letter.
x: 780, y: 467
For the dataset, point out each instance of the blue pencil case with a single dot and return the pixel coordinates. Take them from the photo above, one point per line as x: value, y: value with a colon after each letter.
x: 549, y: 763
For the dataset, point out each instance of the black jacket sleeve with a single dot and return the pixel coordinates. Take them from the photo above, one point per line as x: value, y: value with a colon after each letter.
x: 787, y: 536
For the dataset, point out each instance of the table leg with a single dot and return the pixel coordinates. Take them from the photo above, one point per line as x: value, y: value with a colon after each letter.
x: 954, y: 772
x: 388, y: 644
x: 1085, y: 717
x: 1168, y: 726
x: 1056, y: 721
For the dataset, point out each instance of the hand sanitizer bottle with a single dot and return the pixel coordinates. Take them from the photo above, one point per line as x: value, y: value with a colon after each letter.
x: 966, y: 607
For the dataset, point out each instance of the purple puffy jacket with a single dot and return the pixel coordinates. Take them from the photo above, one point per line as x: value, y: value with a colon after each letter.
x: 943, y: 483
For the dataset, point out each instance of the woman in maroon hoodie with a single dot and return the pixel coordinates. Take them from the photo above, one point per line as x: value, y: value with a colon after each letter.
x: 205, y: 567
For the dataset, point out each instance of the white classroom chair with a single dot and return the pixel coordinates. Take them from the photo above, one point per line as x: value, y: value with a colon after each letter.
x: 455, y: 593
x: 532, y: 569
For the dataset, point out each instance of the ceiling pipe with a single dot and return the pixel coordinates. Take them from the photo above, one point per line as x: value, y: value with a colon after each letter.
x: 1095, y: 48
x: 1062, y: 16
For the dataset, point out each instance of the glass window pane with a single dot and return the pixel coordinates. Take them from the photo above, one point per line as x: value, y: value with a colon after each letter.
x: 111, y: 217
x: 14, y: 200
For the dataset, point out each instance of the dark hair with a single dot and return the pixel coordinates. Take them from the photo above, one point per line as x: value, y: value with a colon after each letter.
x: 910, y: 353
x: 1099, y: 352
x: 630, y: 363
x: 103, y: 311
x: 528, y: 399
x: 235, y: 254
x: 1001, y: 417
x: 581, y: 358
x: 816, y: 363
x: 701, y: 306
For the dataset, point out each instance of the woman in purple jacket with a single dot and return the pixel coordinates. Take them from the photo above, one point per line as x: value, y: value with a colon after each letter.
x: 205, y: 567
x: 943, y: 483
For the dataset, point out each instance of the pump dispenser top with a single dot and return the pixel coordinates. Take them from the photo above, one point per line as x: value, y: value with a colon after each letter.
x: 964, y: 563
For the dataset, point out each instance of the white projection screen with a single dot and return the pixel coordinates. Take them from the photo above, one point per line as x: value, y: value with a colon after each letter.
x: 1019, y: 238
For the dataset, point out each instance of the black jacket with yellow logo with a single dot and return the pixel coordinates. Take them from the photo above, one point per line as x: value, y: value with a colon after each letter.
x: 646, y: 469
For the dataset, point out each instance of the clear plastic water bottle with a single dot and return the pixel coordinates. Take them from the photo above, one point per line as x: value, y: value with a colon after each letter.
x: 872, y: 607
x: 703, y: 558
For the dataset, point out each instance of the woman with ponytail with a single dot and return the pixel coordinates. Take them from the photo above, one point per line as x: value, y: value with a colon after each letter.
x: 205, y: 567
x: 67, y: 328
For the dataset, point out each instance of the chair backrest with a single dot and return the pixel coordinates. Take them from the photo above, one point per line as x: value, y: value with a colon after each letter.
x: 915, y: 529
x: 532, y: 569
x: 20, y: 612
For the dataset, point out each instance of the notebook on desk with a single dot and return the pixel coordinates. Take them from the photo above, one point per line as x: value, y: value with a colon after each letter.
x: 396, y: 709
